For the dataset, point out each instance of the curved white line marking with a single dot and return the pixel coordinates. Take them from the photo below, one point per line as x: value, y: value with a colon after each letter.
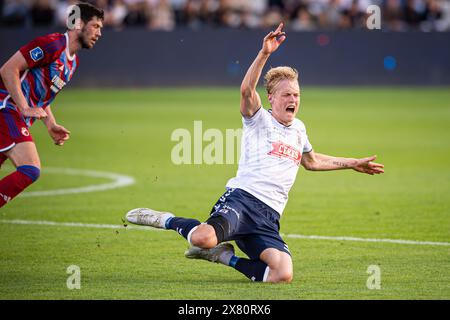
x: 298, y: 236
x: 118, y: 181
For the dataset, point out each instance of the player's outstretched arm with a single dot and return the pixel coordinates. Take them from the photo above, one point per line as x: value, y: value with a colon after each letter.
x: 10, y: 73
x: 321, y: 162
x: 58, y: 133
x: 250, y: 100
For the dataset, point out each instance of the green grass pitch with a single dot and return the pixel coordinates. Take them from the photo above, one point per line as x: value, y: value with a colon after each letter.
x: 128, y: 132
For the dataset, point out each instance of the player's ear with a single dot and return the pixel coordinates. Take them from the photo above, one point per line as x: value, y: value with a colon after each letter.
x: 270, y: 98
x: 78, y: 24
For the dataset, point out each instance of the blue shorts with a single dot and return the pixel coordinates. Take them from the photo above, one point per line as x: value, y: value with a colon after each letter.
x: 253, y: 225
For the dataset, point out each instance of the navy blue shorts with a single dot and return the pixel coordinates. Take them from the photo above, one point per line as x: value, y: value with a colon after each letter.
x: 253, y: 225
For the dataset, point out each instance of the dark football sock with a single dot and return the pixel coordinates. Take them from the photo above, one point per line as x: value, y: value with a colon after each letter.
x: 182, y: 225
x: 255, y: 270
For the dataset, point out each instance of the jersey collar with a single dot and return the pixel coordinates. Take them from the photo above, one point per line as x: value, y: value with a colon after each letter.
x: 279, y: 123
x: 70, y: 57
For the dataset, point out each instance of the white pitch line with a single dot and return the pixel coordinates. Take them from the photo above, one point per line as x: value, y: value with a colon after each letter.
x: 77, y: 224
x: 118, y: 181
x: 296, y: 236
x: 399, y: 241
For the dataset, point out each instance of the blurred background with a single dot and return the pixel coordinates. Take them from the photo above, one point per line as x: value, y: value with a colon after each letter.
x: 212, y: 42
x: 299, y: 15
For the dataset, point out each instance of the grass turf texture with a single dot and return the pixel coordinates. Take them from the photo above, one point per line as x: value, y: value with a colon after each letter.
x: 128, y: 132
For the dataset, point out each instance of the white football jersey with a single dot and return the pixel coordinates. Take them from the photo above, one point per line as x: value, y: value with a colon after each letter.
x: 270, y: 158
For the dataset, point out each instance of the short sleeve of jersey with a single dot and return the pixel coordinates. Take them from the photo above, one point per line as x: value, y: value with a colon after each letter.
x: 307, y: 147
x: 43, y: 50
x: 257, y: 116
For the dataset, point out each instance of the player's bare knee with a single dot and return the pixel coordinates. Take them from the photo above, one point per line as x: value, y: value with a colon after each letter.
x: 286, y: 277
x: 202, y: 240
x: 204, y: 237
x: 281, y: 276
x: 285, y: 272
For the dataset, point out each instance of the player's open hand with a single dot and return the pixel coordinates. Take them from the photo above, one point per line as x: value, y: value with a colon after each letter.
x: 37, y: 113
x: 273, y: 40
x: 365, y: 165
x: 59, y: 134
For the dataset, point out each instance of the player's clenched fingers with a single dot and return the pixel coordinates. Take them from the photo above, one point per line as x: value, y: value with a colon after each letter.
x: 282, y: 38
x: 269, y: 35
x: 274, y: 34
x: 278, y: 34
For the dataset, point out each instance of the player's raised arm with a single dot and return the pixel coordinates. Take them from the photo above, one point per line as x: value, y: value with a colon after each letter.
x: 250, y: 100
x: 10, y: 73
x: 322, y: 162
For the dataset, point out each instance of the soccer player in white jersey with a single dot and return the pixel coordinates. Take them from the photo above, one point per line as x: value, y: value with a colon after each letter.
x: 274, y: 145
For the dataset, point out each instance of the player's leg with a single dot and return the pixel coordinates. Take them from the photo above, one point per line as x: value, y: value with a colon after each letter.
x: 258, y: 237
x: 254, y: 269
x: 2, y: 158
x: 163, y: 220
x: 280, y: 265
x: 273, y: 265
x: 198, y: 234
x: 203, y: 235
x: 25, y: 158
x: 270, y: 260
x: 6, y: 140
x: 260, y: 240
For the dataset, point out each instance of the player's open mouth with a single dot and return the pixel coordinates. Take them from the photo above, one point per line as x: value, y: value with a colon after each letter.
x: 290, y: 109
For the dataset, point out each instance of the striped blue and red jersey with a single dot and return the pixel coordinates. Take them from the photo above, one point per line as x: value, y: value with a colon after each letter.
x: 50, y: 68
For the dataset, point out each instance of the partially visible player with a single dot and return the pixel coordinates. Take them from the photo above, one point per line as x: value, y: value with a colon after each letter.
x: 29, y: 82
x: 274, y: 145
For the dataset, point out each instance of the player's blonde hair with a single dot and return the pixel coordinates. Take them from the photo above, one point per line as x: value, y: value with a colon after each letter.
x: 275, y: 75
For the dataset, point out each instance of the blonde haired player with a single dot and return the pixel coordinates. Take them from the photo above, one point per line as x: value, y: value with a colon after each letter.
x: 274, y: 145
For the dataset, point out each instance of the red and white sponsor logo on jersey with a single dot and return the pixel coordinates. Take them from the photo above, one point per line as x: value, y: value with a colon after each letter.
x: 280, y: 149
x: 58, y: 84
x: 25, y: 132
